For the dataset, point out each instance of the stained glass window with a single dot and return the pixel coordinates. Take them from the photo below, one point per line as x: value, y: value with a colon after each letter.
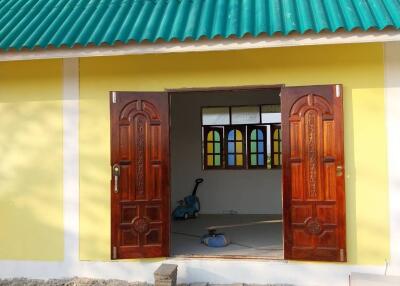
x: 276, y: 146
x: 235, y: 148
x: 213, y: 148
x: 256, y: 141
x: 242, y: 137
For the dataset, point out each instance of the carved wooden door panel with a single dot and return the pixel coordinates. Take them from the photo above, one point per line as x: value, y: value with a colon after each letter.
x: 313, y: 173
x: 140, y: 174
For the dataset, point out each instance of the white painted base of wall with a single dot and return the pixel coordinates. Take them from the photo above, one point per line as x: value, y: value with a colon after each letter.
x: 195, y: 270
x: 360, y: 279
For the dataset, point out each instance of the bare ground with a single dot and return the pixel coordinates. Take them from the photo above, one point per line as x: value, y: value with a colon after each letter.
x: 67, y: 282
x: 98, y: 282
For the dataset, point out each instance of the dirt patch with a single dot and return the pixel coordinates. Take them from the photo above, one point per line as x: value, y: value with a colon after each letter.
x: 67, y: 282
x: 98, y: 282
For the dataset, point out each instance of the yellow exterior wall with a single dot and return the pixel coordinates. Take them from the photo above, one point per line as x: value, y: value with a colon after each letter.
x: 358, y: 67
x: 31, y: 218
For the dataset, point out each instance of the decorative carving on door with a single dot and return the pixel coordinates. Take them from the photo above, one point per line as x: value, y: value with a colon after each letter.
x: 141, y: 225
x: 311, y: 142
x: 140, y: 147
x: 313, y: 226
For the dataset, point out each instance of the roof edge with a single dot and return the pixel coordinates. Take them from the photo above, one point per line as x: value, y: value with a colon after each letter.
x: 205, y: 45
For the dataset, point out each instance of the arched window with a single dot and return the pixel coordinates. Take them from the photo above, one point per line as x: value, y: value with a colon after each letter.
x: 242, y: 137
x: 276, y: 146
x: 213, y: 148
x: 235, y: 148
x: 256, y: 147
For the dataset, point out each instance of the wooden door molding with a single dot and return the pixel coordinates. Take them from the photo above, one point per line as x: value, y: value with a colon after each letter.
x: 313, y: 173
x: 140, y: 194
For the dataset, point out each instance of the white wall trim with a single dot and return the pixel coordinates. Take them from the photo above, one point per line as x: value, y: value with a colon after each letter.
x: 71, y: 159
x: 218, y: 271
x: 392, y: 98
x: 248, y: 42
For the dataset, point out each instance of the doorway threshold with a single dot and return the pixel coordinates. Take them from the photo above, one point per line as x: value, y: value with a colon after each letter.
x: 230, y: 257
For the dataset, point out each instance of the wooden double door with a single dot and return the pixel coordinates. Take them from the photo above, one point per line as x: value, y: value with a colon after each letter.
x: 312, y: 174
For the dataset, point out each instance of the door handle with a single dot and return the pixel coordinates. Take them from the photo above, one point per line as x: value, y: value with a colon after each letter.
x: 339, y: 170
x: 116, y: 170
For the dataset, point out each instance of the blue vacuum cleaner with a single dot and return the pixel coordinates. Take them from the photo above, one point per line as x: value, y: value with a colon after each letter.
x: 215, y: 239
x: 189, y: 207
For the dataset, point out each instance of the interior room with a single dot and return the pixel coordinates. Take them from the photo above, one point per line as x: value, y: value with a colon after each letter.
x: 232, y: 141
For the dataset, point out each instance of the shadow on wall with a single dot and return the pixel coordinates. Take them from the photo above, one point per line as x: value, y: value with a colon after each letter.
x: 95, y: 234
x: 31, y: 179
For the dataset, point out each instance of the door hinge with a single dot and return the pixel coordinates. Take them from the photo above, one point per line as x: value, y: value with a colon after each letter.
x: 342, y: 254
x: 338, y: 91
x: 114, y: 97
x: 114, y: 252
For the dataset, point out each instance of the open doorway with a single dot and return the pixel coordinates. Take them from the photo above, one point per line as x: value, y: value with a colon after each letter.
x: 238, y: 193
x: 232, y: 140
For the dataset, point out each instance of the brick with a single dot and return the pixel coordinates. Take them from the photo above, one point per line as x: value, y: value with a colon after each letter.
x: 166, y: 275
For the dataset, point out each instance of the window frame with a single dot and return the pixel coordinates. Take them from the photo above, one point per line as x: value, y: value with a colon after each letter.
x: 227, y: 129
x: 264, y: 129
x: 245, y: 128
x: 206, y: 130
x: 274, y: 127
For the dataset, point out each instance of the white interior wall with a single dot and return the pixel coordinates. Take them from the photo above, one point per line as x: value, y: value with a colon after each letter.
x: 223, y: 191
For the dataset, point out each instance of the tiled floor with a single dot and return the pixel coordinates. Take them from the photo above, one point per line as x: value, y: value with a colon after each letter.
x: 262, y: 240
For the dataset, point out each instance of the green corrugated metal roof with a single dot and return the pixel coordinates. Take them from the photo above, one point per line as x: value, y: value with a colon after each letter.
x: 57, y: 23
